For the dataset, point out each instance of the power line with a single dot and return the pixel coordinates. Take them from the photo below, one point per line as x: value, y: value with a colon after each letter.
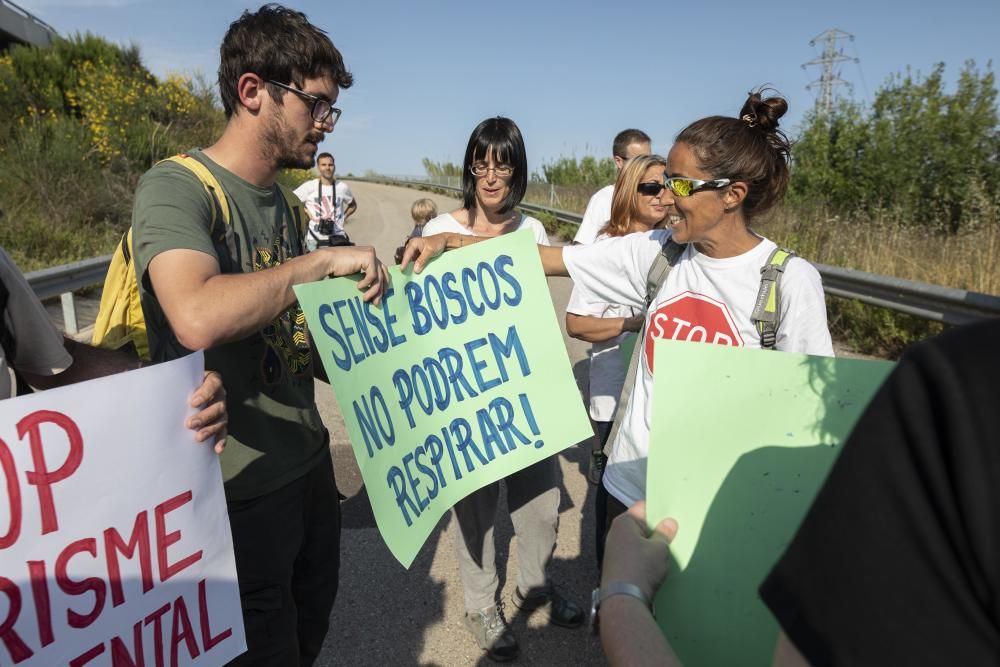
x: 829, y: 78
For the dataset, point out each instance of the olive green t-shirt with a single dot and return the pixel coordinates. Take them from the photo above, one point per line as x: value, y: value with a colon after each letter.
x: 275, y: 431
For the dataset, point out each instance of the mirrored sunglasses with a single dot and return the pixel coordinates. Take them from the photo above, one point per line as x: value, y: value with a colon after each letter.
x: 685, y: 187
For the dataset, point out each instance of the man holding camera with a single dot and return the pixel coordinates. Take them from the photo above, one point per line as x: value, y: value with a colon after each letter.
x: 329, y: 203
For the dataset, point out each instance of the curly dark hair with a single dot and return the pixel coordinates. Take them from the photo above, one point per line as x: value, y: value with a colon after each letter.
x: 280, y: 44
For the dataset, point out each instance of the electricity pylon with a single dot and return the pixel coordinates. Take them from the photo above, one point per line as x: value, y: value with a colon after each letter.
x: 829, y: 78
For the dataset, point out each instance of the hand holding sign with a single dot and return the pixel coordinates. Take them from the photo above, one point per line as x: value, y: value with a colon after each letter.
x: 115, y: 541
x: 737, y: 458
x: 458, y: 379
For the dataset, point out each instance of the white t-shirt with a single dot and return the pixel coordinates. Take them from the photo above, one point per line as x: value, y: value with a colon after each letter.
x: 703, y: 299
x: 39, y: 346
x: 325, y: 207
x: 607, y: 365
x: 446, y: 222
x: 596, y: 216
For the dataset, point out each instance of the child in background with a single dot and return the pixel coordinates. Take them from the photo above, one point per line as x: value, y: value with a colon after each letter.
x: 422, y: 212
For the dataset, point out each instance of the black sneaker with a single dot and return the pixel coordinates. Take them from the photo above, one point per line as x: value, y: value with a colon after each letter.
x: 492, y: 633
x: 560, y: 611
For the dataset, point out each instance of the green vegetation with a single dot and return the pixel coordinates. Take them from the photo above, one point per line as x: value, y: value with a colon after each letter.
x: 589, y: 171
x: 442, y: 170
x: 926, y: 157
x: 83, y: 119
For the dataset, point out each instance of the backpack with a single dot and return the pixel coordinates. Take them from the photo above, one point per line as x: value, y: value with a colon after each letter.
x: 120, y: 320
x: 766, y: 315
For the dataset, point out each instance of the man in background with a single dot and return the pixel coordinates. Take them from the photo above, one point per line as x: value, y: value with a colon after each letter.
x: 329, y: 203
x: 627, y: 145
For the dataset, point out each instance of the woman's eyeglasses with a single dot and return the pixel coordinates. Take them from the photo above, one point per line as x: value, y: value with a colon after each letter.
x: 481, y: 169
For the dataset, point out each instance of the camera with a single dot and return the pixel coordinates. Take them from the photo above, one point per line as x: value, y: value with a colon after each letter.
x: 325, y: 227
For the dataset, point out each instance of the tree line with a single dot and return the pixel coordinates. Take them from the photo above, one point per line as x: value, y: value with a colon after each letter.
x: 918, y: 154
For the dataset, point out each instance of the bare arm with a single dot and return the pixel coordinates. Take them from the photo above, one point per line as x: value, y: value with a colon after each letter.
x: 352, y: 208
x: 421, y: 250
x: 88, y: 363
x: 629, y: 633
x: 206, y: 307
x: 599, y: 329
x: 93, y: 362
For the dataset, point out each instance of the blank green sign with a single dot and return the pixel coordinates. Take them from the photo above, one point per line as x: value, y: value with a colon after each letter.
x: 741, y: 442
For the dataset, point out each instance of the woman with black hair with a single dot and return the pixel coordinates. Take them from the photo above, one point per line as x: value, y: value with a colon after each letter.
x: 494, y: 179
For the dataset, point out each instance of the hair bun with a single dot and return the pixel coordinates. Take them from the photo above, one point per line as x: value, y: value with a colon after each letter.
x: 763, y: 112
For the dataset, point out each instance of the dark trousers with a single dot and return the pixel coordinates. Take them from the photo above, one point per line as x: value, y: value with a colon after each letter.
x: 602, y: 431
x: 287, y: 546
x: 608, y: 509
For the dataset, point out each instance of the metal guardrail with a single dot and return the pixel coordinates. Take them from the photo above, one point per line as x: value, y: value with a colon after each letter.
x: 64, y: 280
x: 933, y: 302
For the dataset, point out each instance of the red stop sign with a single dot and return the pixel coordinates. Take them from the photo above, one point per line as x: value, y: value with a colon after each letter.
x: 693, y: 317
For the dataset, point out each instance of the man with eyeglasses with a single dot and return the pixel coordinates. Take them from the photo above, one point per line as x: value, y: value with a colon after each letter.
x: 227, y: 289
x: 329, y: 203
x: 627, y: 145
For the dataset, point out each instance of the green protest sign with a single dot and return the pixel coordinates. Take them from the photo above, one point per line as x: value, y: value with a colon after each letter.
x: 457, y: 380
x: 741, y: 441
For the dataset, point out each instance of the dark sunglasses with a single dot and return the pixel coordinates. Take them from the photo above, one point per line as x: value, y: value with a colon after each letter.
x: 650, y: 189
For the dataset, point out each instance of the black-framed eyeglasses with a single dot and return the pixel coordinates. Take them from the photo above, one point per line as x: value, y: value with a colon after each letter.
x: 480, y: 169
x: 685, y: 187
x: 321, y: 109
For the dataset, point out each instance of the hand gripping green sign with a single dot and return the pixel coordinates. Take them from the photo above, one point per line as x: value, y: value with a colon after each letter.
x: 741, y: 441
x: 457, y: 380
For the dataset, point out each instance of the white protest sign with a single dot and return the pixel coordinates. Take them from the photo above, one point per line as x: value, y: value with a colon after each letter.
x: 115, y: 546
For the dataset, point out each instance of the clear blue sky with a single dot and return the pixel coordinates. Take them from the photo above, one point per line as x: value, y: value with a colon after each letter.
x: 570, y: 74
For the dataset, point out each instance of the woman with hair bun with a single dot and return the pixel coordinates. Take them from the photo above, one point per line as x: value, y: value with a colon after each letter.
x: 637, y: 205
x: 722, y: 173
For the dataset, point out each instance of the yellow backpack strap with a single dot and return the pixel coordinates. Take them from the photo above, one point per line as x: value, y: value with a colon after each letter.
x: 223, y: 236
x: 766, y: 315
x: 208, y: 180
x: 299, y: 216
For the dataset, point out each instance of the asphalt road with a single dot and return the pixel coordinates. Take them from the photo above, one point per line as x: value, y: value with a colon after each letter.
x: 387, y: 615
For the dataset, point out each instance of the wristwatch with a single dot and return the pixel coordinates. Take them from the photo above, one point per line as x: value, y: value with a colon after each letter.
x: 601, y: 594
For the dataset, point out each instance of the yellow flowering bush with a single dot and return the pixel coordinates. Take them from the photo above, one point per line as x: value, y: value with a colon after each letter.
x: 82, y: 120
